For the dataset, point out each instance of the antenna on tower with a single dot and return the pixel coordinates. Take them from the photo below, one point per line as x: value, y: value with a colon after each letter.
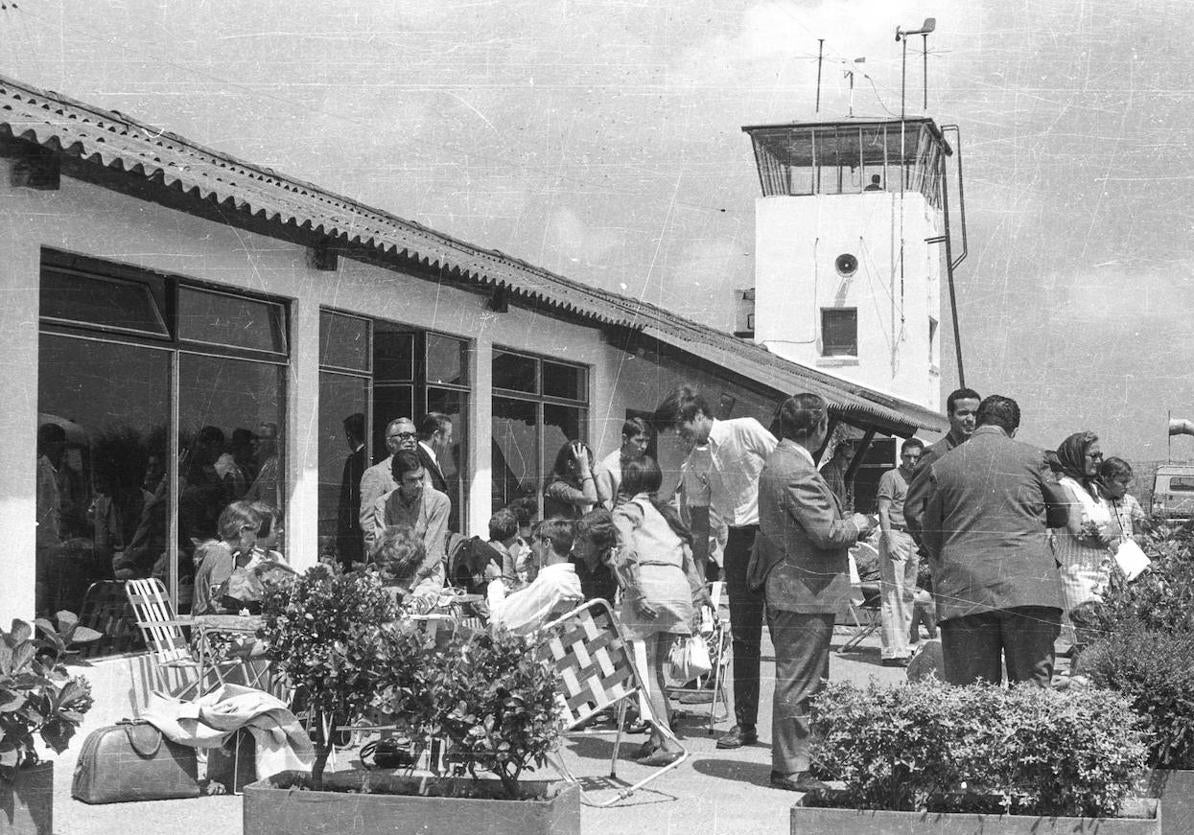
x: 820, y: 55
x: 849, y: 73
x: 902, y: 37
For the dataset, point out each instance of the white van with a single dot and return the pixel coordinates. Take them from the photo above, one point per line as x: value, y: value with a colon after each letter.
x: 1173, y: 492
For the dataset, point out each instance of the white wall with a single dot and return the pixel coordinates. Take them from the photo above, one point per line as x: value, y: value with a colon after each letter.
x: 89, y: 220
x: 797, y: 241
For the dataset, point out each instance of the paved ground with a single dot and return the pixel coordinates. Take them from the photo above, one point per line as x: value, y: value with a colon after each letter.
x: 713, y: 792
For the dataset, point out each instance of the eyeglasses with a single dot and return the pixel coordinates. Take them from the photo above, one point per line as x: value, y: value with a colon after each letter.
x: 1095, y: 456
x: 402, y: 436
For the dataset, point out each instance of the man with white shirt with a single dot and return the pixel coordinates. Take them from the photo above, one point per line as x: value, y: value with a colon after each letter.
x: 378, y: 480
x: 721, y: 474
x: 555, y: 590
x: 636, y: 435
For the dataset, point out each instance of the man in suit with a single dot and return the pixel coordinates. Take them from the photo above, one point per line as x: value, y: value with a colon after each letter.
x: 378, y: 480
x: 990, y: 503
x: 960, y: 408
x: 802, y: 562
x: 349, y: 540
x: 435, y: 436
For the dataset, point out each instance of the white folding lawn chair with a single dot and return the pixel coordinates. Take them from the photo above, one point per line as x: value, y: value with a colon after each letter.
x: 591, y: 659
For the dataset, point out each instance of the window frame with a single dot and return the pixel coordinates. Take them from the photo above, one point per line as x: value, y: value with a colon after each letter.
x: 829, y: 312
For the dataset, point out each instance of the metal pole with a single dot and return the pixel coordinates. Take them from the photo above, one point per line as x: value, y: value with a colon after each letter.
x: 903, y: 78
x: 925, y: 54
x: 820, y: 54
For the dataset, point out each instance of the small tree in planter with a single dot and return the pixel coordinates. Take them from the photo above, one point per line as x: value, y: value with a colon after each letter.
x: 981, y: 748
x: 327, y: 632
x: 38, y: 695
x: 497, y: 705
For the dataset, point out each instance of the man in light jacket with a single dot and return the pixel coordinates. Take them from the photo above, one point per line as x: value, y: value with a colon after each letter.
x: 802, y: 560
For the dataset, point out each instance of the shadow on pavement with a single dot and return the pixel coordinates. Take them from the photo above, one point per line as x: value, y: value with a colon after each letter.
x: 757, y: 774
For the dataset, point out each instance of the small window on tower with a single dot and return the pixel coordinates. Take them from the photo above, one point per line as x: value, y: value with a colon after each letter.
x: 839, y: 331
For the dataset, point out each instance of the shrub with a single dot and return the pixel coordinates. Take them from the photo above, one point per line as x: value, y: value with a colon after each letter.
x: 1154, y: 670
x: 982, y: 748
x: 37, y: 693
x: 496, y: 703
x: 1162, y: 598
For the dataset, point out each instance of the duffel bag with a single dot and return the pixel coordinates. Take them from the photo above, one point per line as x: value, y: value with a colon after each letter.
x: 133, y: 761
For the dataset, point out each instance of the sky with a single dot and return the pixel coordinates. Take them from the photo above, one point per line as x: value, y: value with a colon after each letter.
x: 603, y: 141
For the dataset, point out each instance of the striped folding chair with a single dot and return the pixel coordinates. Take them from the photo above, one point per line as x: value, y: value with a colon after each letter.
x: 592, y: 662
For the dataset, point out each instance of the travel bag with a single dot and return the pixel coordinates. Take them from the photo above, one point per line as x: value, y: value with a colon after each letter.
x: 133, y: 761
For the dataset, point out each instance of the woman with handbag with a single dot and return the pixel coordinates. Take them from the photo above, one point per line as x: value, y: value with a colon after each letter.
x: 660, y: 585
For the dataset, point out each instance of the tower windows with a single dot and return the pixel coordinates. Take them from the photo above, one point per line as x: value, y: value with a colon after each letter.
x: 839, y: 331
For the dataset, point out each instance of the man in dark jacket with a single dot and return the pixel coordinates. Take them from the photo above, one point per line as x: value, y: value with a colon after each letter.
x: 990, y: 503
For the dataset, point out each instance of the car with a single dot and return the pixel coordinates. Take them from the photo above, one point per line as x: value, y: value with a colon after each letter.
x: 1173, y: 492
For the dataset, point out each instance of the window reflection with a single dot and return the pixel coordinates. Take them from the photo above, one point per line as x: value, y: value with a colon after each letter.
x: 102, y: 492
x: 343, y: 457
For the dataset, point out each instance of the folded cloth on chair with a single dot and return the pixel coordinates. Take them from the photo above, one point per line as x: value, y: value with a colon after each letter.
x: 280, y: 740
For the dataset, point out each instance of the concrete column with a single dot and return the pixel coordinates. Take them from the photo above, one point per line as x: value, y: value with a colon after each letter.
x: 302, y: 419
x: 480, y: 433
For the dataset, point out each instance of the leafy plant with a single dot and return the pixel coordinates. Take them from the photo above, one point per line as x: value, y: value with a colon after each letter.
x: 328, y: 632
x: 496, y: 703
x: 37, y: 693
x: 1154, y: 670
x: 978, y: 748
x: 1162, y: 598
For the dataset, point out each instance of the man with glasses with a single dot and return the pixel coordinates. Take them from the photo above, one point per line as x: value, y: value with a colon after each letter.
x: 898, y: 560
x: 378, y: 480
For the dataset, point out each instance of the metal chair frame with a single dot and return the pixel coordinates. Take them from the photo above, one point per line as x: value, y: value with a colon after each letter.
x: 591, y: 658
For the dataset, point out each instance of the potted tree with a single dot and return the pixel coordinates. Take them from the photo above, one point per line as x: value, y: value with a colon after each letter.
x: 1147, y: 654
x: 927, y: 757
x: 38, y: 696
x: 341, y: 642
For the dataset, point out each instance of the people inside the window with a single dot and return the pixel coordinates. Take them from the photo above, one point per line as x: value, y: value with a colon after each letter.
x: 267, y: 486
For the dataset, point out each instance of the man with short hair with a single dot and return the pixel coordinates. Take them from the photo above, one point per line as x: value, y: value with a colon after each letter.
x: 378, y: 480
x: 960, y: 408
x: 802, y: 563
x: 636, y: 435
x: 267, y: 487
x: 721, y: 474
x: 990, y: 504
x: 898, y: 560
x: 555, y: 589
x: 435, y: 436
x: 413, y: 505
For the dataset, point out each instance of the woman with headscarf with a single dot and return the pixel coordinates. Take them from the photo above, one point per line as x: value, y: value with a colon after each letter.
x: 1084, y: 548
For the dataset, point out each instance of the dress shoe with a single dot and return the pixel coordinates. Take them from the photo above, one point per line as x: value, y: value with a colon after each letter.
x: 798, y: 782
x: 737, y: 736
x: 660, y: 758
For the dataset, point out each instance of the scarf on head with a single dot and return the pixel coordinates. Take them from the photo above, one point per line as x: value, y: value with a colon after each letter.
x: 1071, y: 455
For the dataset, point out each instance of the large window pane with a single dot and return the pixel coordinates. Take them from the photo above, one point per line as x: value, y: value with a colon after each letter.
x: 516, y: 472
x: 393, y: 353
x: 236, y: 321
x: 344, y: 341
x: 343, y: 457
x: 561, y: 424
x: 390, y: 402
x: 102, y: 494
x: 98, y: 300
x: 568, y: 381
x: 446, y: 361
x: 230, y: 426
x: 514, y: 372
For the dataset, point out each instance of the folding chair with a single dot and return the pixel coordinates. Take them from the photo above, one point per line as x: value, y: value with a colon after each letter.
x: 716, y: 631
x: 590, y: 657
x: 167, y: 642
x: 864, y: 607
x: 106, y: 609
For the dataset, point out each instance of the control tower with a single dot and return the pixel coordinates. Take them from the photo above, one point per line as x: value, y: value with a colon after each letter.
x: 851, y: 247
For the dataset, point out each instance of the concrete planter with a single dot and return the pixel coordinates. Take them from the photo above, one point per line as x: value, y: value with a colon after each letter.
x: 274, y: 811
x: 1176, y: 790
x: 852, y: 821
x: 27, y: 803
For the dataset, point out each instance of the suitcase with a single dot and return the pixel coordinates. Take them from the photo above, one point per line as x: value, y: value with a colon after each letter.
x: 132, y: 761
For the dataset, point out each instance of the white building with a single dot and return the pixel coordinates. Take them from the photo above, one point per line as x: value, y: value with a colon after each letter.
x: 159, y: 296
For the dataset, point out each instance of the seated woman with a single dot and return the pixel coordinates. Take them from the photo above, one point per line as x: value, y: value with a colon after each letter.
x: 237, y: 526
x: 399, y: 555
x: 571, y: 490
x: 660, y: 585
